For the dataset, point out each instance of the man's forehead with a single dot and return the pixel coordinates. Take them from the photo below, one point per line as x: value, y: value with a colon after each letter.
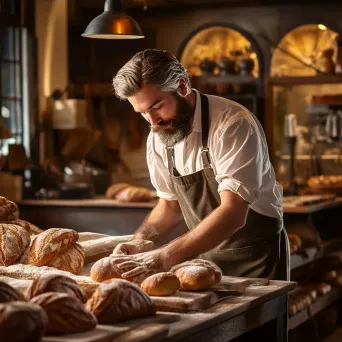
x: 145, y: 99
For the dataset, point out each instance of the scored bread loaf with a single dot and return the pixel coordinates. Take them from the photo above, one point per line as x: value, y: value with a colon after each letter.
x: 114, y: 189
x: 118, y: 300
x: 51, y: 282
x: 48, y: 244
x: 8, y: 210
x: 195, y: 277
x: 104, y: 269
x: 21, y: 321
x: 161, y: 284
x: 9, y: 294
x: 66, y: 314
x: 28, y: 226
x: 13, y: 242
x: 134, y: 194
x: 71, y: 260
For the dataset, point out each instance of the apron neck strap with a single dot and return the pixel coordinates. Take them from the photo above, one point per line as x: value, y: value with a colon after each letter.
x: 205, y: 134
x: 205, y: 130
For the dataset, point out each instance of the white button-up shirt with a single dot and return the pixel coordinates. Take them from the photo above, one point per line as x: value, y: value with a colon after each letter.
x: 238, y: 155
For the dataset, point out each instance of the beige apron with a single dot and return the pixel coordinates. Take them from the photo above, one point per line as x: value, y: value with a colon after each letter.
x: 259, y: 249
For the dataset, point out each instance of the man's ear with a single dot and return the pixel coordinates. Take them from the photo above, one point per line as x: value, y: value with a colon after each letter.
x: 182, y: 87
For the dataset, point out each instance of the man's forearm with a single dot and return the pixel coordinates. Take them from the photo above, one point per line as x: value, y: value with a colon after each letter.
x: 163, y: 218
x: 214, y: 229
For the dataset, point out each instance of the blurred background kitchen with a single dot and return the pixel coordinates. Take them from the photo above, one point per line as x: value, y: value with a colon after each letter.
x: 65, y: 138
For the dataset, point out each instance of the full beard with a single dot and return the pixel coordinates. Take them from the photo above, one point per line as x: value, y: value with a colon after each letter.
x: 175, y: 130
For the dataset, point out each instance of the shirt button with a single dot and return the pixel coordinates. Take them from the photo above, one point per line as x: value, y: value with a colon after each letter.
x: 186, y: 170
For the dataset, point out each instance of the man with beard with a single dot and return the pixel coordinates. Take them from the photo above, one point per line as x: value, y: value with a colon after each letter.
x: 209, y: 162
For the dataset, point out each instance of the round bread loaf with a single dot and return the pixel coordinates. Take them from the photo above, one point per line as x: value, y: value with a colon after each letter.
x: 9, y: 294
x: 8, y: 210
x: 134, y: 194
x: 71, y: 260
x: 161, y: 284
x: 104, y: 269
x: 118, y: 300
x: 195, y: 277
x: 114, y: 189
x: 50, y: 282
x: 13, y: 242
x: 66, y: 314
x: 201, y: 262
x: 21, y: 321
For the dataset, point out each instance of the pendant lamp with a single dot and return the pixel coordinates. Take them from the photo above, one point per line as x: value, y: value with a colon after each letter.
x: 113, y: 24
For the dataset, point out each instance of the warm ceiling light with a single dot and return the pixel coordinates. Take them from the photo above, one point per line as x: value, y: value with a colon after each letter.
x: 113, y: 24
x: 322, y: 27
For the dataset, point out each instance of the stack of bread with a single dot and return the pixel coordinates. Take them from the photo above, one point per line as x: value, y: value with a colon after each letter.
x: 125, y: 192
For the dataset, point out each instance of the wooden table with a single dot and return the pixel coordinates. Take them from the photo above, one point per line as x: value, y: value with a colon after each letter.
x: 259, y: 314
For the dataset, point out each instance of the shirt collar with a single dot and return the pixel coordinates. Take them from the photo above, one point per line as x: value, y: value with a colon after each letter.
x: 197, y: 124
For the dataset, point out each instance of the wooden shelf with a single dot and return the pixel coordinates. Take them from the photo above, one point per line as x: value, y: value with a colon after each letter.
x: 312, y: 254
x: 318, y: 305
x: 305, y: 80
x: 228, y: 79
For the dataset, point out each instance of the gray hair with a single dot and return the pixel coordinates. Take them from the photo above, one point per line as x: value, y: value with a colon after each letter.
x: 156, y: 67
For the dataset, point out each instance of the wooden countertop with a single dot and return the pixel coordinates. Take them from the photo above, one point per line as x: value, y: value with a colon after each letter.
x: 96, y: 202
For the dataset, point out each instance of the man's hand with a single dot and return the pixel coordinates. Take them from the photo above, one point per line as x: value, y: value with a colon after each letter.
x: 142, y: 265
x: 133, y: 247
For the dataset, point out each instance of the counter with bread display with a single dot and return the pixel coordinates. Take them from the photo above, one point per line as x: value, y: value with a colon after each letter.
x: 62, y: 286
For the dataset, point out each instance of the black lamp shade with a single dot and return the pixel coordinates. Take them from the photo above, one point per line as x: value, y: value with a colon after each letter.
x: 113, y: 25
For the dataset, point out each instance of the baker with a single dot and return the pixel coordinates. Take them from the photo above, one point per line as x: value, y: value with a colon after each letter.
x: 208, y: 161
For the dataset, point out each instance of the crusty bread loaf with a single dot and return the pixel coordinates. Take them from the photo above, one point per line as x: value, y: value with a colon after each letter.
x: 114, y: 189
x: 201, y: 262
x: 30, y: 272
x: 71, y: 260
x: 28, y: 226
x: 118, y: 300
x: 13, y: 242
x: 161, y: 284
x: 104, y: 269
x: 8, y: 210
x: 195, y: 277
x: 48, y: 244
x: 9, y: 294
x: 21, y: 321
x: 51, y: 282
x: 134, y: 194
x: 66, y: 314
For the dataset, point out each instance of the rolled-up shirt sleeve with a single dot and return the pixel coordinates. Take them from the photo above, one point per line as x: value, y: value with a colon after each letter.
x: 239, y: 159
x: 159, y: 173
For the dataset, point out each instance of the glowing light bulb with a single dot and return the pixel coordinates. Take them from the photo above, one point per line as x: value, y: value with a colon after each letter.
x: 322, y: 27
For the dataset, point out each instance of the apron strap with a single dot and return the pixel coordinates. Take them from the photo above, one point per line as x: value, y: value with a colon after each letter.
x: 205, y: 130
x: 170, y: 157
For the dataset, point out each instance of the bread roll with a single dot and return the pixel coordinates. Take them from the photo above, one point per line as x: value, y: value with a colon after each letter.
x: 9, y: 294
x: 321, y: 288
x: 118, y: 300
x: 71, y: 260
x: 13, y: 242
x: 48, y: 244
x: 8, y: 210
x: 201, y: 262
x: 104, y: 269
x: 29, y: 227
x: 51, y: 282
x: 161, y: 284
x: 66, y: 314
x: 21, y: 321
x: 114, y: 189
x: 134, y: 194
x: 195, y: 277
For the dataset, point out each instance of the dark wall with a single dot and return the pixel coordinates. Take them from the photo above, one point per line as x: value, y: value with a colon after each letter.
x: 98, y: 60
